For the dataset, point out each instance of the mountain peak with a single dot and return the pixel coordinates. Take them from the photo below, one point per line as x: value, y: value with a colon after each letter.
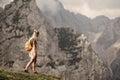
x: 24, y: 9
x: 102, y: 17
x: 66, y: 53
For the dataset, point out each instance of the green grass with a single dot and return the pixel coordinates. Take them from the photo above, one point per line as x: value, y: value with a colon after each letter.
x: 7, y: 75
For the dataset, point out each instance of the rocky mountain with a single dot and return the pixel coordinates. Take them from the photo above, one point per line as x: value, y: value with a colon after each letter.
x: 81, y: 60
x: 65, y: 18
x: 19, y: 19
x: 116, y: 67
x: 102, y: 32
x: 1, y: 11
x: 62, y: 52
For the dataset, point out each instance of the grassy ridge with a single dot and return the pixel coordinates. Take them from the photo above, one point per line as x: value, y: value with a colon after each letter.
x: 6, y: 75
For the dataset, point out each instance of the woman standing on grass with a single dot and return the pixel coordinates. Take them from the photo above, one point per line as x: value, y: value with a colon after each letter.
x: 33, y: 52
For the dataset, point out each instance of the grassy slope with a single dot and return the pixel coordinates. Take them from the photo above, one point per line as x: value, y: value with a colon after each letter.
x: 5, y: 75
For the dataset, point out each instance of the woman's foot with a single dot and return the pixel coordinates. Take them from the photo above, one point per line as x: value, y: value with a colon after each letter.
x: 35, y: 72
x: 26, y: 71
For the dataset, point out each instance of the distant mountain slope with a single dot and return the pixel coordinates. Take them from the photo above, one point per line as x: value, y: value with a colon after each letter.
x: 107, y: 28
x: 62, y: 52
x: 102, y: 32
x: 81, y: 60
x: 65, y: 18
x: 116, y: 67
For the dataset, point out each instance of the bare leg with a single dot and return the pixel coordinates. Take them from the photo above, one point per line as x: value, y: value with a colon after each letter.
x: 33, y: 65
x: 28, y: 65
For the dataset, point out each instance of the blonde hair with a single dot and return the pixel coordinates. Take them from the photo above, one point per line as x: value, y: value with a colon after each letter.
x: 36, y: 32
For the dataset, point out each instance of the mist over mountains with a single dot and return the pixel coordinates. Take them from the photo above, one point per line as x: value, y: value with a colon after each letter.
x: 102, y: 31
x: 56, y: 25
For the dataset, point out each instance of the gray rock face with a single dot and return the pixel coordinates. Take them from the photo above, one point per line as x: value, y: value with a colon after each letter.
x: 65, y: 18
x: 116, y: 67
x: 65, y: 53
x: 81, y: 60
x: 1, y: 11
x: 17, y: 24
x: 107, y: 28
x: 99, y: 25
x: 102, y: 32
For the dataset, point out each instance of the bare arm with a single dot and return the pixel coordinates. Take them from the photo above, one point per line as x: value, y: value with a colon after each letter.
x: 34, y: 47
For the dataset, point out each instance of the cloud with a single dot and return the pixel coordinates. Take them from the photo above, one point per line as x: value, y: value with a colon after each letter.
x: 48, y: 5
x: 90, y: 8
x: 93, y: 8
x: 103, y: 4
x: 94, y: 4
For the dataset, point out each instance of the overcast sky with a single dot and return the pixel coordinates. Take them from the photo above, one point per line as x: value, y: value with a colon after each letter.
x: 90, y: 8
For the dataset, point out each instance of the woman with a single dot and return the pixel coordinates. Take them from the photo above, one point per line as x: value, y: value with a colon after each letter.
x: 33, y: 52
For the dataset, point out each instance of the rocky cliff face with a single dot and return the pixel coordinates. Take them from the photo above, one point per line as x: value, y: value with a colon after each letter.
x: 64, y: 18
x: 1, y: 11
x: 116, y: 67
x: 102, y: 32
x: 19, y: 19
x: 81, y: 61
x: 61, y: 52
